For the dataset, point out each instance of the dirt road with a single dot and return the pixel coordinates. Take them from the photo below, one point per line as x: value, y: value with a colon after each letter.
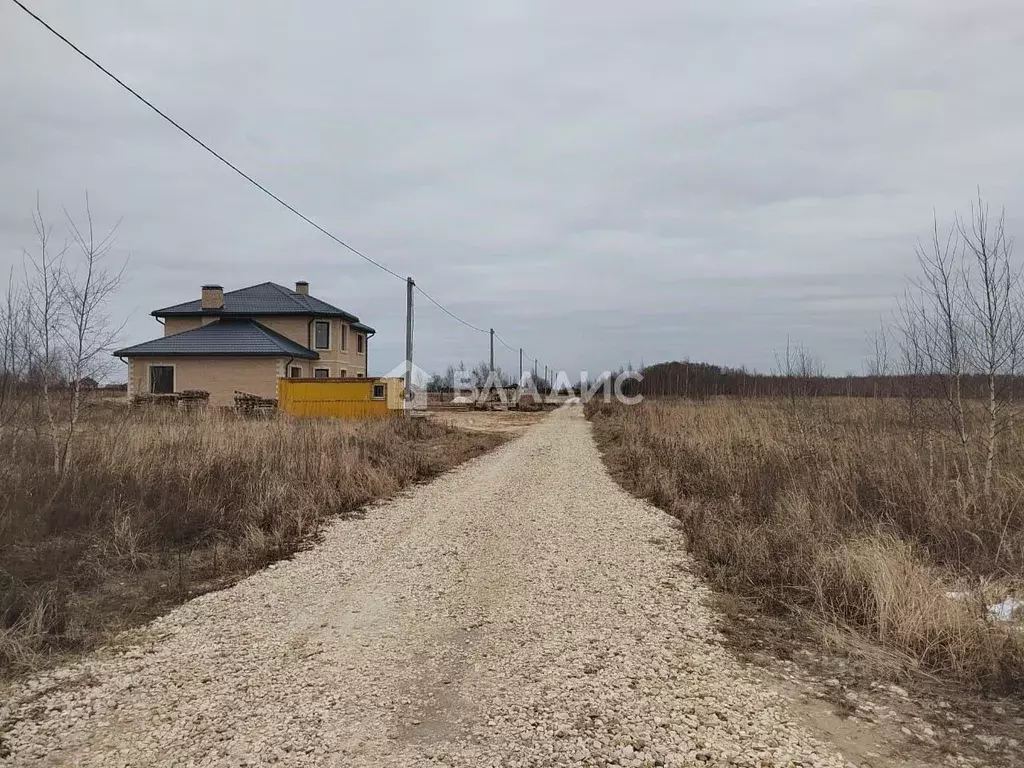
x: 520, y: 611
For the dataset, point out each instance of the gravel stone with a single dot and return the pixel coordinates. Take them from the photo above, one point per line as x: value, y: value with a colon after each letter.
x: 519, y: 611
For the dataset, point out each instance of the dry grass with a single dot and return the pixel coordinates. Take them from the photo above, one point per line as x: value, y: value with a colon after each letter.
x: 841, y: 510
x: 162, y: 506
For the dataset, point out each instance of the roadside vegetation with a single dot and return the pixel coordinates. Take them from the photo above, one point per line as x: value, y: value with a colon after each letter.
x: 841, y: 511
x: 158, y: 507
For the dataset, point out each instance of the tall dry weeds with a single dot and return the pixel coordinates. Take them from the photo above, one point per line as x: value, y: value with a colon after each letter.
x: 840, y: 508
x: 159, y: 506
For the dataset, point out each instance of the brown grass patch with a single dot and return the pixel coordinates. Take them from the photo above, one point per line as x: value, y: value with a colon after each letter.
x: 840, y: 510
x: 159, y: 507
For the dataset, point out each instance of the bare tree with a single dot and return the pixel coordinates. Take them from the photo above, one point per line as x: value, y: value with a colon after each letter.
x: 993, y: 323
x: 14, y: 349
x: 44, y: 271
x: 69, y: 330
x: 87, y: 334
x: 936, y: 305
x: 879, y: 364
x: 799, y: 368
x: 963, y: 325
x: 482, y: 375
x: 911, y: 367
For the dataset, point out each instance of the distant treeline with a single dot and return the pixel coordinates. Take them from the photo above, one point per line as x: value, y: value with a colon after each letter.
x: 699, y: 380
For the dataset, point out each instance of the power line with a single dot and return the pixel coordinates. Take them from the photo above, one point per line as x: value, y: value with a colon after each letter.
x: 203, y: 144
x: 448, y: 312
x: 508, y: 346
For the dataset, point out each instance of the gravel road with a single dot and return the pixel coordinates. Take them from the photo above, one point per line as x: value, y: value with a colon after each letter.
x: 520, y: 611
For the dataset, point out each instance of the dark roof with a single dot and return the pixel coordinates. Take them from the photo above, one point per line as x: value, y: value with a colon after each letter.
x: 262, y: 299
x: 227, y: 337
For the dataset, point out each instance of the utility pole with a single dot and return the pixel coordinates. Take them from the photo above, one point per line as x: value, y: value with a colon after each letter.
x: 520, y: 366
x: 492, y: 350
x: 408, y: 345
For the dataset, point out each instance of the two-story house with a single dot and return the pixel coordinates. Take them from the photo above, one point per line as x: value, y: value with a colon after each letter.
x: 244, y: 340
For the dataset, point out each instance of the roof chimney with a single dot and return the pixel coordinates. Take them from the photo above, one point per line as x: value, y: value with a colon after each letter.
x: 212, y: 297
x: 302, y: 288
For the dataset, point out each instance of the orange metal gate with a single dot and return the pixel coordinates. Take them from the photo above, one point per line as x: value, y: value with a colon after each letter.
x: 341, y: 398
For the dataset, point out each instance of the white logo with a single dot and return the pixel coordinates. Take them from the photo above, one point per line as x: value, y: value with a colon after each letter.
x: 416, y: 398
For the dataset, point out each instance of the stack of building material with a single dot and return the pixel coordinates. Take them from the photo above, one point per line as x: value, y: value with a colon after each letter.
x: 254, y: 405
x: 193, y: 398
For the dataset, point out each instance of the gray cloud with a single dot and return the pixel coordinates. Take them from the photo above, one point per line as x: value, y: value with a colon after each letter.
x: 601, y: 182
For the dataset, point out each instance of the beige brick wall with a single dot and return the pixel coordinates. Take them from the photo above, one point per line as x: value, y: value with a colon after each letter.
x: 174, y: 325
x: 294, y: 328
x: 220, y: 376
x: 298, y: 329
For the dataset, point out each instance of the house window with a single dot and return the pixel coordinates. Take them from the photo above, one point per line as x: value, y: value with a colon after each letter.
x: 343, y: 373
x: 322, y: 334
x: 344, y: 337
x: 161, y: 379
x: 295, y: 372
x: 378, y: 391
x: 321, y: 373
x: 360, y: 343
x: 360, y: 375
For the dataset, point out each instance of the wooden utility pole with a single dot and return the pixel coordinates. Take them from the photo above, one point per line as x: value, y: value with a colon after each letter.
x: 520, y: 366
x: 492, y: 351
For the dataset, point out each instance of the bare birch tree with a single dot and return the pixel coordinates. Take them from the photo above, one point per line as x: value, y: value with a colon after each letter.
x: 68, y: 325
x: 878, y: 363
x: 88, y: 333
x: 937, y: 306
x: 44, y: 271
x: 993, y: 324
x: 963, y: 323
x: 911, y: 365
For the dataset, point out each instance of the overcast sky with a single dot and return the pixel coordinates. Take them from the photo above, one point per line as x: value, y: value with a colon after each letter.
x: 601, y: 181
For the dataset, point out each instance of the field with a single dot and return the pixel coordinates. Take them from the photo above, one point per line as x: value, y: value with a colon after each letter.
x: 845, y: 515
x: 156, y: 508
